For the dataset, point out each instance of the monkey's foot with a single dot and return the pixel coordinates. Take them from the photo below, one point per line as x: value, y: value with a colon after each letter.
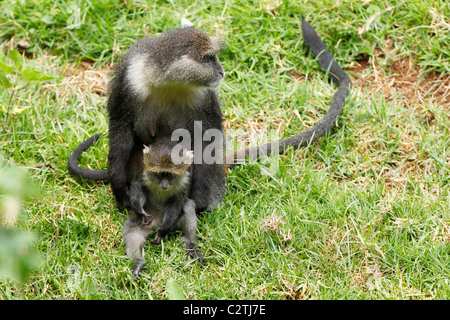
x: 157, y: 240
x: 136, y: 267
x: 195, y: 253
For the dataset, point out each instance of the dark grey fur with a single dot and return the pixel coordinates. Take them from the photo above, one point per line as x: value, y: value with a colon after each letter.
x: 159, y: 200
x: 134, y: 121
x: 173, y: 94
x: 336, y: 73
x: 136, y: 230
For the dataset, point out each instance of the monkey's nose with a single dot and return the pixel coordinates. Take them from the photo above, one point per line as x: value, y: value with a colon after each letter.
x: 164, y: 184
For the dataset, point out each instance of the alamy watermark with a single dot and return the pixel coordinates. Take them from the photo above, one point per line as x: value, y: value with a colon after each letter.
x: 212, y: 146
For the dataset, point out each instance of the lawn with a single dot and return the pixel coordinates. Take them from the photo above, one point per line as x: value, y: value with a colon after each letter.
x: 364, y: 213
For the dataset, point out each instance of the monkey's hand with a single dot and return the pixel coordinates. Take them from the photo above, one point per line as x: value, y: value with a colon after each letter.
x: 147, y: 219
x: 157, y: 240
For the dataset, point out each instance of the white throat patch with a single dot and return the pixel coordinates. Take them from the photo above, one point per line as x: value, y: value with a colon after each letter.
x: 137, y: 78
x: 163, y: 195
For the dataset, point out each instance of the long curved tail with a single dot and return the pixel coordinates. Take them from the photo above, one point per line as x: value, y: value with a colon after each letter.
x: 328, y: 122
x: 337, y: 74
x: 77, y: 171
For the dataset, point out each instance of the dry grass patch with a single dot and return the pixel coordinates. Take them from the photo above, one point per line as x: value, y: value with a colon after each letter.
x: 401, y: 80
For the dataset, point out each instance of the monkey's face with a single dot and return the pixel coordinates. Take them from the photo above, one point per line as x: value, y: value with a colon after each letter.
x: 162, y: 171
x: 217, y: 73
x: 188, y: 58
x: 167, y: 180
x: 173, y: 66
x: 204, y: 72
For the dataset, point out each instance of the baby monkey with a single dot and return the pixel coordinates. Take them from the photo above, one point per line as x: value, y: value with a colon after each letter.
x: 159, y: 200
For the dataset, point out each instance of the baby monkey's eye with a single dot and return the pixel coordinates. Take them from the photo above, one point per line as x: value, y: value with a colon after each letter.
x: 166, y: 175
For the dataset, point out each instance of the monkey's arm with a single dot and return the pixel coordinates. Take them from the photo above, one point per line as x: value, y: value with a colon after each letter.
x: 208, y: 182
x: 202, y: 175
x: 138, y: 198
x: 120, y: 147
x: 173, y: 210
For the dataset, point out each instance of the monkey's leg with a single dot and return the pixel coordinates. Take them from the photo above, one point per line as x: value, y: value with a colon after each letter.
x: 121, y: 145
x: 188, y: 224
x: 135, y: 232
x: 173, y: 210
x: 202, y: 177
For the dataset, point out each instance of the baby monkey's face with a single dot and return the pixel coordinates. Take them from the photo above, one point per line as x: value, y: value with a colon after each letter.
x: 162, y: 170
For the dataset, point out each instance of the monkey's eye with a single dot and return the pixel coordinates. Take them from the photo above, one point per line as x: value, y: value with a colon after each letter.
x: 207, y: 59
x: 166, y: 175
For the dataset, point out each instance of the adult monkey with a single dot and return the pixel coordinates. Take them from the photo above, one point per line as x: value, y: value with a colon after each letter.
x: 168, y: 82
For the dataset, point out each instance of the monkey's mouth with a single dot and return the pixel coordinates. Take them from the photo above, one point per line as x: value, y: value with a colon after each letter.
x: 215, y: 84
x: 164, y: 185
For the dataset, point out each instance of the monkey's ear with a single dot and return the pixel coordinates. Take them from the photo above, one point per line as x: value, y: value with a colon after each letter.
x: 188, y: 156
x: 217, y: 44
x: 146, y: 149
x: 185, y: 23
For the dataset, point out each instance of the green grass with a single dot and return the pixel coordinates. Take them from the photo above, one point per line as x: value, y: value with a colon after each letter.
x: 363, y: 214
